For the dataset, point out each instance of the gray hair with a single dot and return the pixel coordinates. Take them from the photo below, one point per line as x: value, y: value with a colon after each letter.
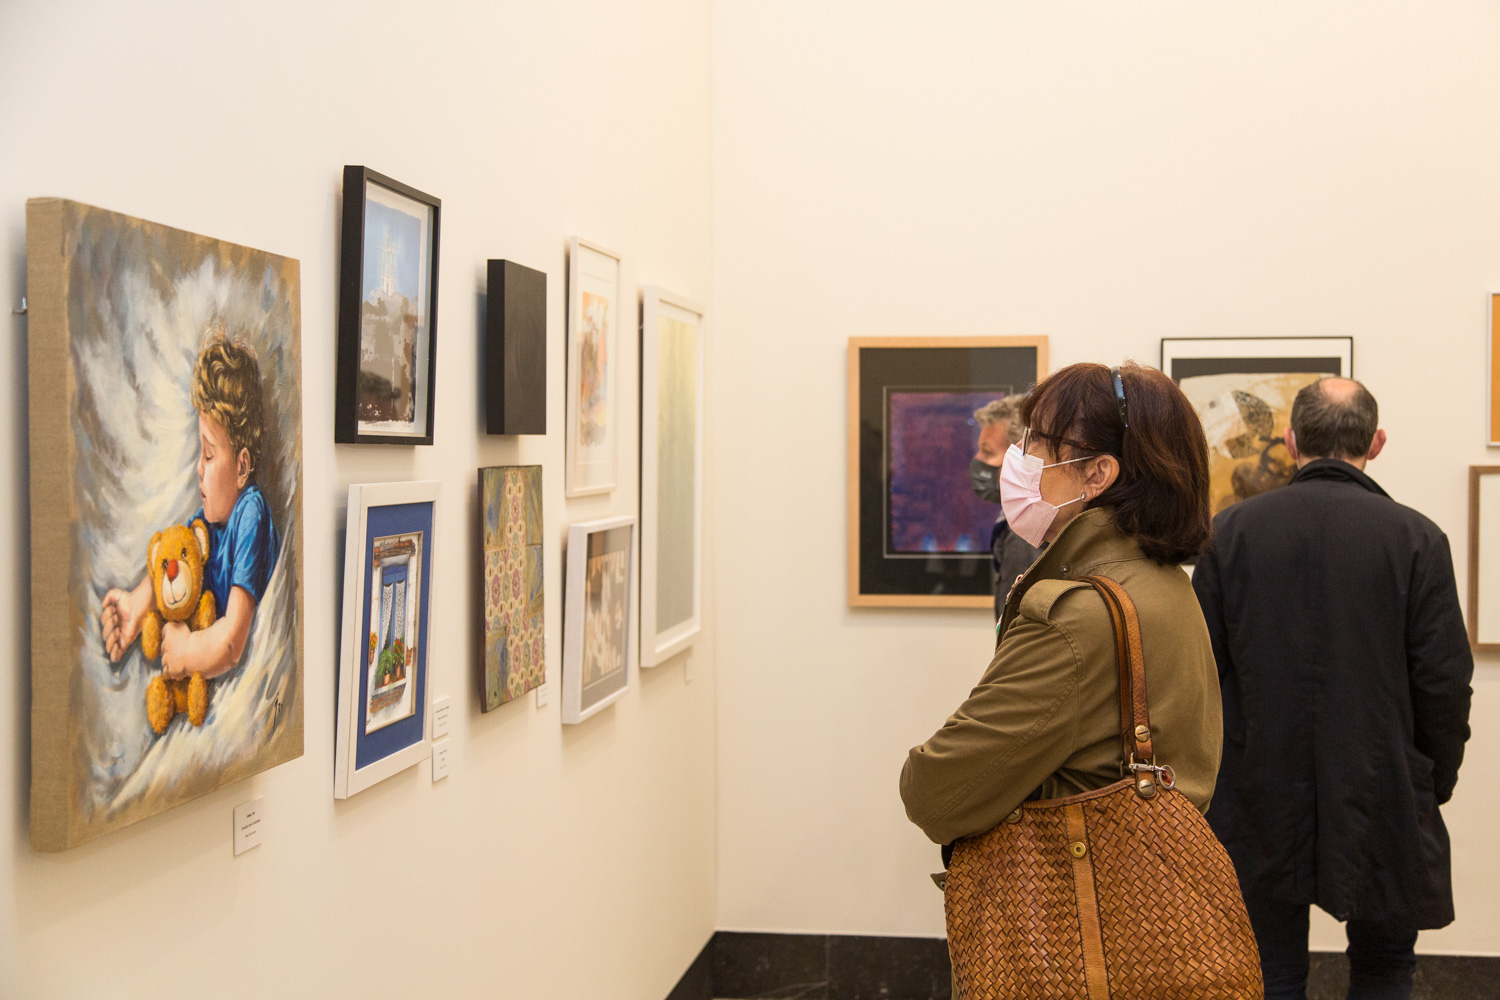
x: 1341, y: 424
x: 1006, y: 410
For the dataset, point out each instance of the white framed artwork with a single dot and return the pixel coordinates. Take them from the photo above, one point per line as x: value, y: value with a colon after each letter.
x: 597, y: 616
x: 671, y: 474
x: 1484, y: 558
x: 384, y: 662
x: 593, y: 403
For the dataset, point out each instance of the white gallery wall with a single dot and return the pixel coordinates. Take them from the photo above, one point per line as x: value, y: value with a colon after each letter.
x: 1103, y: 174
x: 569, y: 862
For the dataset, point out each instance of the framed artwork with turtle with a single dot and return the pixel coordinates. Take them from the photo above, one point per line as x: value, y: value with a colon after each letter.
x: 166, y: 517
x: 1243, y: 389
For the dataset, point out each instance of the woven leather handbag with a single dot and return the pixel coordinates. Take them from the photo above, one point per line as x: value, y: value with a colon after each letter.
x: 1123, y: 892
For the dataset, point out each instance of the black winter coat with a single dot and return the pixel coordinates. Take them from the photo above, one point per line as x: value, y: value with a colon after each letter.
x: 1345, y: 670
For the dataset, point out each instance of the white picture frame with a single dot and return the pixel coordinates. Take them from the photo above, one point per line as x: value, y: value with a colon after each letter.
x: 597, y: 618
x: 594, y: 408
x: 671, y: 595
x: 374, y: 740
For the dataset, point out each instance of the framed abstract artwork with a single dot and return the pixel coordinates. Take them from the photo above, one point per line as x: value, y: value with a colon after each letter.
x: 918, y: 536
x: 510, y: 510
x: 166, y: 517
x: 388, y: 271
x: 596, y: 616
x: 593, y: 411
x: 1243, y: 389
x: 671, y: 475
x: 515, y: 349
x: 385, y: 639
x: 1493, y: 374
x: 1484, y: 558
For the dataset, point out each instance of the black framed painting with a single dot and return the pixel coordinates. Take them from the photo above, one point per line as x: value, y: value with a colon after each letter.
x: 388, y: 280
x: 918, y: 536
x: 1242, y: 389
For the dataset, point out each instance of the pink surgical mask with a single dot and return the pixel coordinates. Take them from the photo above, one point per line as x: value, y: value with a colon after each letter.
x: 1028, y: 515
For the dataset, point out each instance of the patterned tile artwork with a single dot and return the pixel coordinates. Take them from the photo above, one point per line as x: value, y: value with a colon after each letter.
x: 511, y: 506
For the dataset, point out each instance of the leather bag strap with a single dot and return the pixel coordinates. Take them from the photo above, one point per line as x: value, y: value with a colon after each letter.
x: 1136, y: 746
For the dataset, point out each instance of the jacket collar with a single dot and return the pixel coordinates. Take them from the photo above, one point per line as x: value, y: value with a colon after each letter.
x: 1336, y: 470
x: 1089, y: 542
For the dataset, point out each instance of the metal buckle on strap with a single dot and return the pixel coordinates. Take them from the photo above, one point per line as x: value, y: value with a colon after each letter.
x: 1165, y: 776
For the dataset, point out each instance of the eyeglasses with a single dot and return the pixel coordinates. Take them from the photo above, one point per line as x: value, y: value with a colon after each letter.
x: 1029, y: 433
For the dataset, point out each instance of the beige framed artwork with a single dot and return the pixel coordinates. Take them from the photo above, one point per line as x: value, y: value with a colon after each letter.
x: 1484, y: 558
x: 918, y: 536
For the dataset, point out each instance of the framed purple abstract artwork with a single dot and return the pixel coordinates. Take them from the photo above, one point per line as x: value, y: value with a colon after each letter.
x: 918, y: 536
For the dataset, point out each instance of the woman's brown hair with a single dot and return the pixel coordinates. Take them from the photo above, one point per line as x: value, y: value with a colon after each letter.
x: 1161, y: 495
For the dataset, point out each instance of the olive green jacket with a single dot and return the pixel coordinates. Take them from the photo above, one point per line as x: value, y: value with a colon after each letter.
x: 1044, y: 721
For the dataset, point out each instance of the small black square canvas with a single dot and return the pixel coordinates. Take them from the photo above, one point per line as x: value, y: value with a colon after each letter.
x: 516, y: 350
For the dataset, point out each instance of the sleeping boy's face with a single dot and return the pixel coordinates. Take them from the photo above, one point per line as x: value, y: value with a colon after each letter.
x: 221, y: 473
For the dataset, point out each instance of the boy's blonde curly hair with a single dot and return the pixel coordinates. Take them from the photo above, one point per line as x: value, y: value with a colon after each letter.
x: 226, y: 386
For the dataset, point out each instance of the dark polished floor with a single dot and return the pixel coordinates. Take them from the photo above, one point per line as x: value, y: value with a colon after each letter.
x: 1439, y: 977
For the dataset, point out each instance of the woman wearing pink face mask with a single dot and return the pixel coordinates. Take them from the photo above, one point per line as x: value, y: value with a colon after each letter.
x: 1113, y: 479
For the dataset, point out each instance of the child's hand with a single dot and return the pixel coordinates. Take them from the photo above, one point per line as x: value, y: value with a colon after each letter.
x: 120, y: 619
x: 174, y: 644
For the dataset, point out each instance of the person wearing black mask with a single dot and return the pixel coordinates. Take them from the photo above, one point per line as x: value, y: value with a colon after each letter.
x: 999, y: 427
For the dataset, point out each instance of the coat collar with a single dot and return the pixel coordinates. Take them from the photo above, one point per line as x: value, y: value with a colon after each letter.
x: 1089, y: 542
x: 1336, y: 470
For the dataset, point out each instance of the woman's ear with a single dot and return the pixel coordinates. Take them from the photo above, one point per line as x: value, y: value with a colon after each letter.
x: 1101, y: 475
x: 242, y: 467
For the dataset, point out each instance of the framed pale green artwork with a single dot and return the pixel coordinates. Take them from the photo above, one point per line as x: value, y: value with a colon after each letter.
x: 671, y: 475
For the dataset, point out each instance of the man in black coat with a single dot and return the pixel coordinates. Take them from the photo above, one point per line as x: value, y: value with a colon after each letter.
x: 1345, y: 670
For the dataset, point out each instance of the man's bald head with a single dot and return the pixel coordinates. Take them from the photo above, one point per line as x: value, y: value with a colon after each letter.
x: 1335, y: 418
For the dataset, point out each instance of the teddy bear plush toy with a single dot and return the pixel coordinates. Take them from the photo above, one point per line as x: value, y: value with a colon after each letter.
x: 175, y: 562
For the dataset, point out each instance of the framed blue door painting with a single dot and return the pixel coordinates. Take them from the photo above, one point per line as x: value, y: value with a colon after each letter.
x: 384, y: 687
x: 166, y: 517
x: 918, y: 536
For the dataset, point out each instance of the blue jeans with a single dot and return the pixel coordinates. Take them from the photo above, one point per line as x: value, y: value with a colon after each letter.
x: 1382, y: 959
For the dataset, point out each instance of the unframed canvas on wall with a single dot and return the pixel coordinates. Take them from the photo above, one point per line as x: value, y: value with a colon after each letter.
x: 510, y: 509
x: 166, y: 517
x: 385, y: 639
x: 1494, y: 373
x: 596, y: 616
x: 388, y: 273
x: 918, y: 536
x: 671, y: 475
x: 593, y: 410
x: 1242, y: 389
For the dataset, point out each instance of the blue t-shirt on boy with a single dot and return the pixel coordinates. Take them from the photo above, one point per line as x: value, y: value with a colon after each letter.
x: 242, y: 550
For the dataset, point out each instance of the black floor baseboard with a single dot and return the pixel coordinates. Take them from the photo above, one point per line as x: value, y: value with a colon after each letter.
x: 737, y: 966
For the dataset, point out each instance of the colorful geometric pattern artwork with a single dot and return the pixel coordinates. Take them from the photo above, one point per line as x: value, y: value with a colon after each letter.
x: 514, y: 644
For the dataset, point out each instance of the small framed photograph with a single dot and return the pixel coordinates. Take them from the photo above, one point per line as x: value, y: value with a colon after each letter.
x: 918, y: 536
x: 388, y: 273
x: 671, y: 474
x: 593, y: 408
x: 1243, y: 389
x: 384, y: 661
x: 596, y: 616
x: 1484, y: 558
